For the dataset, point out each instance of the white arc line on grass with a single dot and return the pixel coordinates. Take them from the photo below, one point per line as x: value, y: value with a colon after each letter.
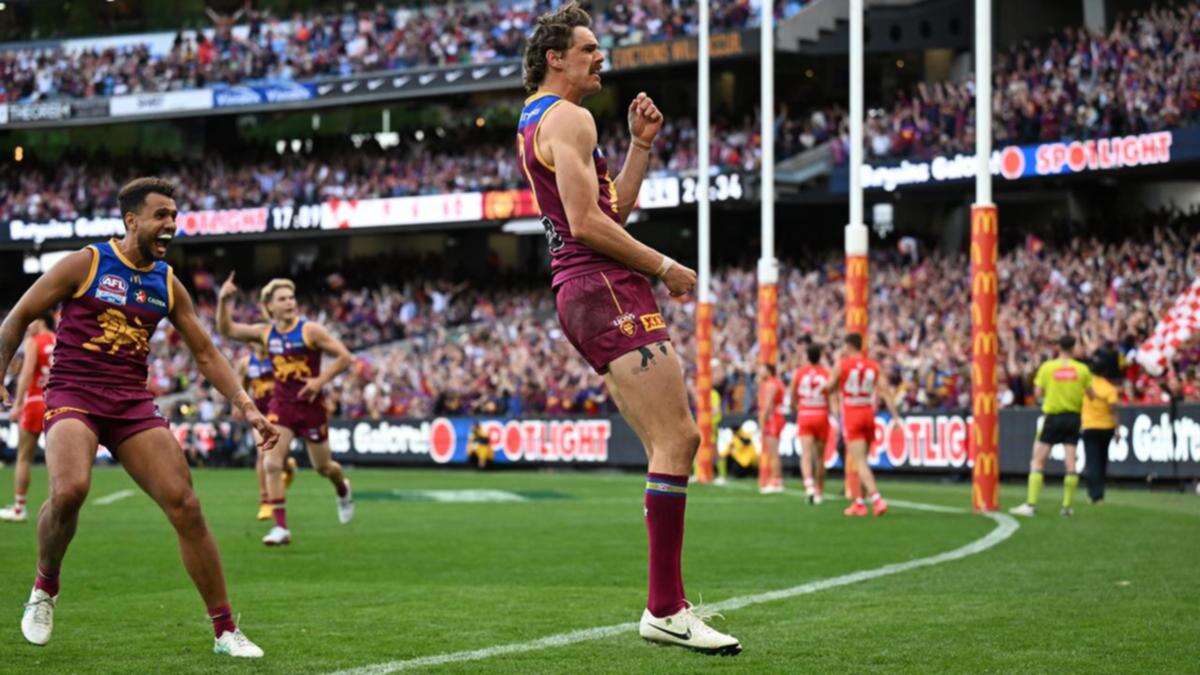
x: 1006, y: 525
x: 114, y: 497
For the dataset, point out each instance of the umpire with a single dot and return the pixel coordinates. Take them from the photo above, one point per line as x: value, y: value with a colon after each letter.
x: 1061, y: 383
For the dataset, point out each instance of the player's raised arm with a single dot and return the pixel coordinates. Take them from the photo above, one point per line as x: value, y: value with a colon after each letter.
x: 645, y: 121
x: 569, y: 133
x: 226, y: 326
x: 213, y: 365
x: 61, y: 282
x: 318, y: 337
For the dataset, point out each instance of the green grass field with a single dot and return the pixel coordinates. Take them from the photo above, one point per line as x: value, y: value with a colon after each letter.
x: 1115, y: 589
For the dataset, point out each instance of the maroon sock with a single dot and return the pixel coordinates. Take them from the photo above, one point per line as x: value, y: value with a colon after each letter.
x: 222, y: 620
x: 279, y: 510
x: 47, y: 580
x: 666, y: 499
x: 342, y: 489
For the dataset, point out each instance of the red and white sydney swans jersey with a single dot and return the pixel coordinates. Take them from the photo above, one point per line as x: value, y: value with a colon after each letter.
x: 808, y: 385
x: 858, y: 375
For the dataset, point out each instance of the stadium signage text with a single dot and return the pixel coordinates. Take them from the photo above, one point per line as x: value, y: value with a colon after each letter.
x: 226, y: 221
x: 42, y: 110
x: 444, y: 440
x: 1148, y: 441
x: 54, y: 230
x: 166, y: 102
x: 1029, y: 161
x: 344, y: 214
x: 682, y: 50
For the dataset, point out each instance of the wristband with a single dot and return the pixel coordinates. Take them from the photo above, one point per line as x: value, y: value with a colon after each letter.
x: 639, y: 143
x: 664, y: 267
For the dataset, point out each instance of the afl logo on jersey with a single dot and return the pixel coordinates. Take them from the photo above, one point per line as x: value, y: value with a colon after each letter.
x: 112, y: 289
x: 275, y: 346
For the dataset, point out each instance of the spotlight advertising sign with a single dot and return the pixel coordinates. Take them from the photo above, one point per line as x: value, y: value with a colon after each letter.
x: 1017, y: 162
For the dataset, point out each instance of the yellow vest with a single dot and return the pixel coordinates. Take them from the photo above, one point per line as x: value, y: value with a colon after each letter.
x: 1098, y: 412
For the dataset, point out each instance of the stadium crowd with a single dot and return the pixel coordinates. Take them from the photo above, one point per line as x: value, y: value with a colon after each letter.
x: 69, y: 190
x: 1143, y: 75
x: 256, y: 45
x: 426, y: 346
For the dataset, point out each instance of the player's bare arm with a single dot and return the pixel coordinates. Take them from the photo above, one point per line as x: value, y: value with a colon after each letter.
x: 645, y: 121
x: 831, y: 384
x: 25, y: 377
x: 319, y: 337
x: 214, y: 366
x: 567, y: 137
x: 60, y: 283
x: 226, y: 326
x: 883, y: 392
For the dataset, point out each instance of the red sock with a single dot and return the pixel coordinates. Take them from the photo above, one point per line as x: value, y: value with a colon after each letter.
x: 47, y: 580
x: 341, y: 488
x: 666, y: 500
x: 20, y: 499
x: 222, y: 620
x: 280, y: 513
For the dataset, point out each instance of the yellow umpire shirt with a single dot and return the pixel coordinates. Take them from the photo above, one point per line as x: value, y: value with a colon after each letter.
x: 1063, y: 382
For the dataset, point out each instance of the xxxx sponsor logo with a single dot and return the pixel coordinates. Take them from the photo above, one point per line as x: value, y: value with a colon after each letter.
x: 653, y: 321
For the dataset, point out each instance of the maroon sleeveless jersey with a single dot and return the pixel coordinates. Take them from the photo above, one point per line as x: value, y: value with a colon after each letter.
x: 294, y: 362
x: 105, y: 329
x: 569, y: 258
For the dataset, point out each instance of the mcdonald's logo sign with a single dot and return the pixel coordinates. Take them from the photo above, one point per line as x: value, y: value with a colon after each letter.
x: 987, y: 465
x: 985, y: 221
x: 856, y: 266
x: 984, y: 282
x: 985, y: 404
x: 856, y: 317
x: 986, y: 343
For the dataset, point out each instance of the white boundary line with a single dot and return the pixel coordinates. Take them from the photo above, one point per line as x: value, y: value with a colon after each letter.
x: 1006, y: 525
x: 114, y: 497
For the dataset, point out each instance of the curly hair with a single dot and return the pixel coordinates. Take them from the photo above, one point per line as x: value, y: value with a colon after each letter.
x: 552, y: 32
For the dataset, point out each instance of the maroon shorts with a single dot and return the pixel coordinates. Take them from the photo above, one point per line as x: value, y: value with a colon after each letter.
x: 608, y: 314
x: 113, y: 413
x: 306, y: 420
x: 33, y: 416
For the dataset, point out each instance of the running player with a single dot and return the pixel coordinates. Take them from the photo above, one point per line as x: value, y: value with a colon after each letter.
x: 1061, y: 383
x: 605, y: 304
x: 259, y: 379
x: 113, y: 297
x: 814, y: 414
x: 295, y: 346
x: 29, y: 409
x: 771, y: 420
x: 860, y: 384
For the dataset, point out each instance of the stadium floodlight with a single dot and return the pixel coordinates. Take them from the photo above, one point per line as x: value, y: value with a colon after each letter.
x: 985, y: 445
x: 704, y: 461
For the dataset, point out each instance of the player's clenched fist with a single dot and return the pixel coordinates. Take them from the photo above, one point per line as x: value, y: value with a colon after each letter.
x: 645, y: 119
x: 680, y: 280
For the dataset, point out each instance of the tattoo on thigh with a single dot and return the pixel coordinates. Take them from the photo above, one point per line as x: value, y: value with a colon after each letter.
x: 647, y: 359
